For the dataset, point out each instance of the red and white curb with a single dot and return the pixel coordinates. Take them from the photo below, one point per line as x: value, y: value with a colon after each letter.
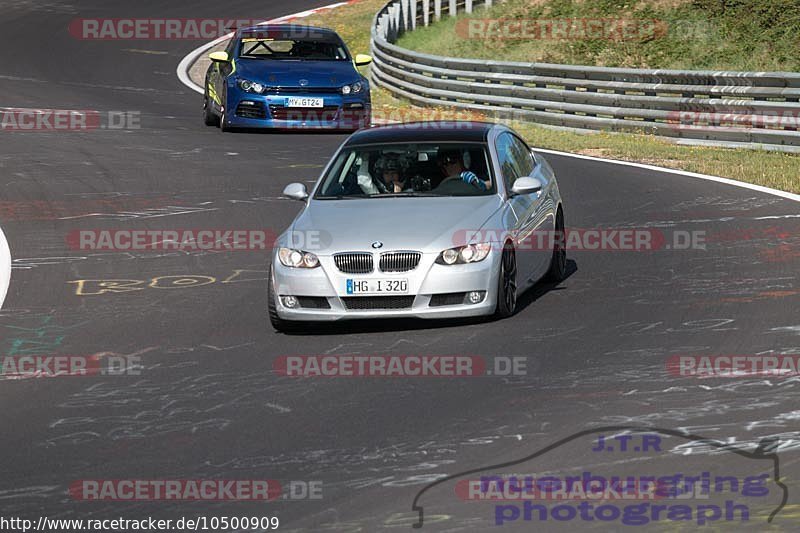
x: 187, y: 62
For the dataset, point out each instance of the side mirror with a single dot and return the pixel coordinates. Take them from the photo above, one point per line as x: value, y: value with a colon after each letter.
x: 363, y: 59
x: 296, y: 191
x: 527, y: 185
x: 219, y: 57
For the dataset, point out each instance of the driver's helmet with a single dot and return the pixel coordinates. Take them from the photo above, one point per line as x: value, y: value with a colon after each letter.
x: 454, y: 156
x: 389, y: 162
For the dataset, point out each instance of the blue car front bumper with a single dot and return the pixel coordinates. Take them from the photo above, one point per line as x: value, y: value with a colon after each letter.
x: 339, y: 112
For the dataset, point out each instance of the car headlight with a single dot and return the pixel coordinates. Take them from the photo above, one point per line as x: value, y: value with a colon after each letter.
x: 297, y: 258
x: 355, y: 88
x: 251, y: 86
x: 471, y: 253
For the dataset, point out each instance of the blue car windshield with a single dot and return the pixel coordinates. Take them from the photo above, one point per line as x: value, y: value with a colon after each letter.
x: 419, y: 169
x: 297, y: 50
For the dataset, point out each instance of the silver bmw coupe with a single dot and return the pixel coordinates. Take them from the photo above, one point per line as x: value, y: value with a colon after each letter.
x: 427, y: 220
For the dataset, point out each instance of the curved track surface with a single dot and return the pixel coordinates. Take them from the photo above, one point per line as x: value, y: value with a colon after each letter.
x: 207, y: 404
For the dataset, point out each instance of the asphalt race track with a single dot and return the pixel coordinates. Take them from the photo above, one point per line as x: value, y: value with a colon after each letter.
x: 207, y: 404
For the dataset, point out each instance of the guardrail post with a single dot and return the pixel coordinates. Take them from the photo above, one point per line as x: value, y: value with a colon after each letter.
x: 383, y: 26
x: 487, y: 4
x: 394, y: 13
x: 468, y: 6
x: 426, y: 12
x: 437, y: 10
x: 413, y: 12
x: 453, y: 8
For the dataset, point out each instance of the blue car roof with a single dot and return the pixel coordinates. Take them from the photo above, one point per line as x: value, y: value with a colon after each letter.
x: 291, y: 29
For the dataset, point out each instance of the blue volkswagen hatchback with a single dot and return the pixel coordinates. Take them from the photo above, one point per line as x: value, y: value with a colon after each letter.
x: 289, y: 77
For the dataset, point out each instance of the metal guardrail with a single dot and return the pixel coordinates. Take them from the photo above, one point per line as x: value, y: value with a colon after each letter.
x: 719, y: 106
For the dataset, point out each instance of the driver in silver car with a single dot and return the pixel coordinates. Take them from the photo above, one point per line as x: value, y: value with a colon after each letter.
x: 392, y: 175
x: 451, y: 162
x: 390, y: 178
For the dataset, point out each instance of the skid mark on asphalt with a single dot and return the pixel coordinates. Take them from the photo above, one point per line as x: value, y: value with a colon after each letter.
x: 34, y: 491
x: 145, y: 408
x: 158, y: 212
x: 720, y: 203
x: 664, y: 328
x: 40, y: 7
x: 27, y: 210
x: 398, y: 464
x: 28, y: 263
x: 149, y: 52
x: 190, y: 349
x: 549, y: 333
x: 790, y: 329
x: 788, y: 441
x: 348, y: 348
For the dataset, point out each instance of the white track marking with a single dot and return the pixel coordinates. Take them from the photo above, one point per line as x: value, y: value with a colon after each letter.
x: 5, y: 267
x: 727, y: 181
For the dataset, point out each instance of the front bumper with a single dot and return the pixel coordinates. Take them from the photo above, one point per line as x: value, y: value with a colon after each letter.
x: 424, y: 283
x: 247, y: 110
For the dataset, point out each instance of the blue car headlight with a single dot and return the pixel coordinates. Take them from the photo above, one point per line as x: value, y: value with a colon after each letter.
x: 250, y: 86
x: 297, y: 258
x: 354, y: 88
x: 472, y: 253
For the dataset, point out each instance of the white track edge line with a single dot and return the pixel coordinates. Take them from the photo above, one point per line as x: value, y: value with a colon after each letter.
x: 5, y: 267
x: 718, y: 179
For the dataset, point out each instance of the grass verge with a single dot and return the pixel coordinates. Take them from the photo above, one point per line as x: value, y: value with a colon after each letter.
x: 675, y: 34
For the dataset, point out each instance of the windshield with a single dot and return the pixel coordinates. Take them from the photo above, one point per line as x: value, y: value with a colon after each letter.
x: 434, y: 169
x: 289, y: 49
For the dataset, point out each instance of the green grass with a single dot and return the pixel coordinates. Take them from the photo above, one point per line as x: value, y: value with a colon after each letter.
x: 685, y: 34
x: 771, y: 169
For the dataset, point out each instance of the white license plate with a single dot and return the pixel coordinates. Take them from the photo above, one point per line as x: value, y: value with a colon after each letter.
x: 304, y: 102
x: 377, y: 286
